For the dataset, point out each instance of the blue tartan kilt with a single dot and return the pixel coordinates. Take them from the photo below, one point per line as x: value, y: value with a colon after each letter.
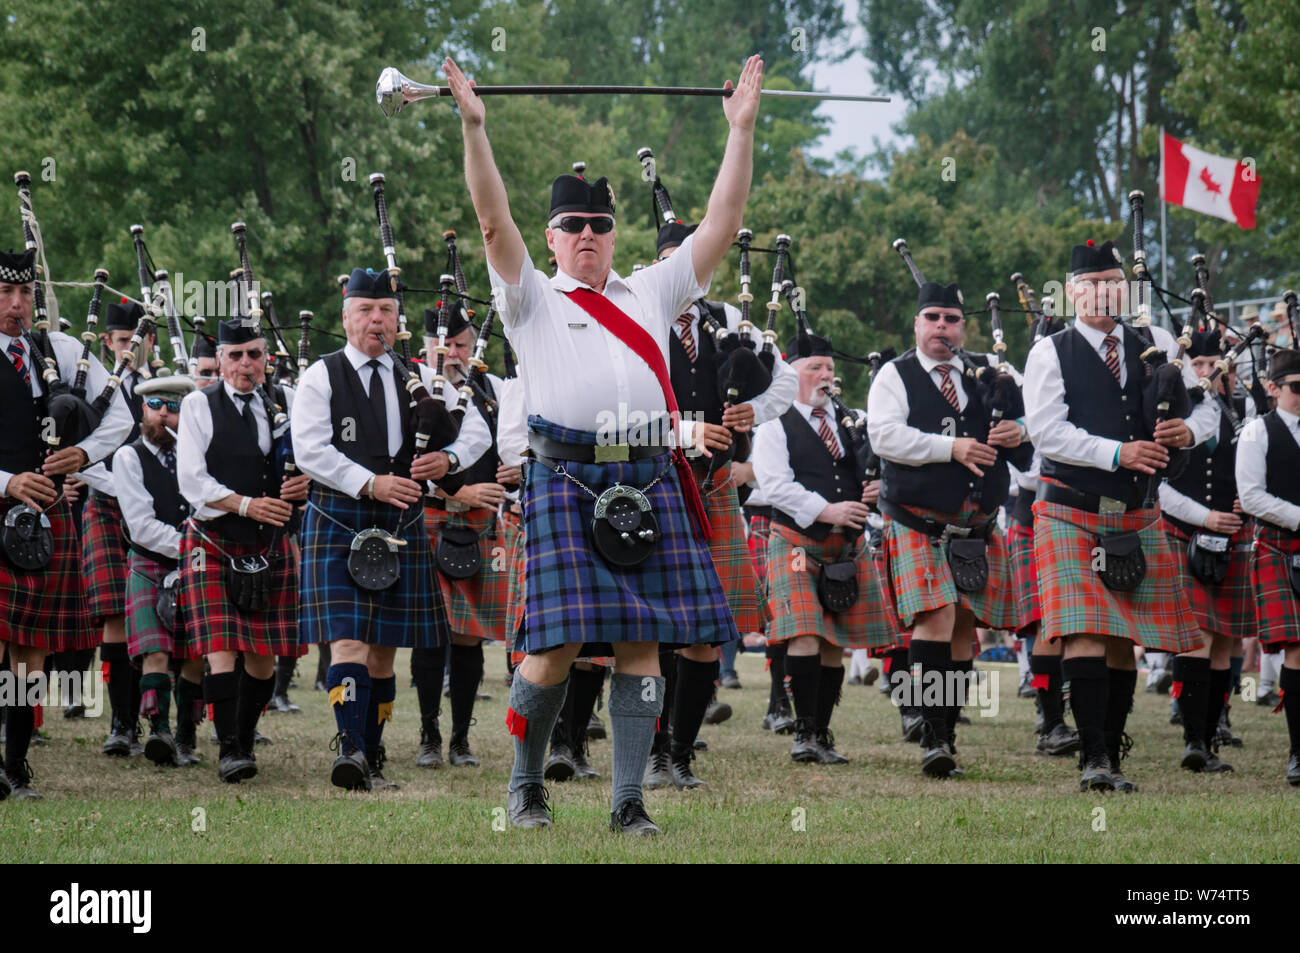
x: 571, y: 594
x: 409, y: 614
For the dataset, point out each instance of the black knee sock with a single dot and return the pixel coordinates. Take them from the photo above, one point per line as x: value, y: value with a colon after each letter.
x: 1289, y: 682
x: 284, y: 666
x: 1089, y: 681
x: 221, y: 692
x: 189, y: 709
x: 1192, y: 689
x: 584, y: 686
x: 562, y: 729
x: 933, y: 657
x: 254, y: 693
x: 1047, y: 681
x: 805, y: 676
x: 466, y: 676
x: 962, y: 686
x: 426, y: 669
x: 20, y: 723
x: 694, y: 689
x: 120, y: 677
x: 663, y: 727
x: 1218, y: 697
x: 776, y: 698
x: 323, y: 660
x: 1119, y: 699
x: 831, y: 680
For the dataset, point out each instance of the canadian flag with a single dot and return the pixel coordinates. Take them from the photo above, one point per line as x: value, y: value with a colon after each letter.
x: 1215, y: 185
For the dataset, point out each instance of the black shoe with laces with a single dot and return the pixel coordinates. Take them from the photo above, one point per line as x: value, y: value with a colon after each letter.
x: 913, y: 724
x: 827, y: 753
x: 430, y: 753
x: 376, y: 764
x: 20, y: 778
x: 1293, y: 770
x: 717, y: 712
x: 1058, y: 742
x: 137, y: 746
x: 582, y: 771
x: 1096, y: 773
x: 458, y: 753
x: 350, y: 770
x: 631, y: 818
x: 528, y: 807
x: 682, y: 775
x: 658, y: 769
x: 559, y: 765
x: 1118, y: 751
x: 160, y: 748
x: 118, y: 744
x: 805, y: 749
x: 235, y: 765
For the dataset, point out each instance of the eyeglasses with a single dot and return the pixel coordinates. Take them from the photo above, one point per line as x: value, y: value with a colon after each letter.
x: 1292, y: 386
x: 254, y: 354
x: 574, y: 224
x: 933, y: 316
x: 157, y: 403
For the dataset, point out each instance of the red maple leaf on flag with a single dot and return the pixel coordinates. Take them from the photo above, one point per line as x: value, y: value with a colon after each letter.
x: 1209, y: 183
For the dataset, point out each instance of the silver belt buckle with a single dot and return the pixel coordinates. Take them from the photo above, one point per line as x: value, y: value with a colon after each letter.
x: 949, y: 531
x: 1110, y: 506
x: 612, y: 453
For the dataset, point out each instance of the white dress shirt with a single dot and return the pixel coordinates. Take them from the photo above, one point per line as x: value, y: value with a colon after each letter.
x: 1046, y: 412
x: 1252, y: 452
x: 144, y: 529
x: 892, y: 438
x: 313, y: 429
x: 116, y: 423
x: 98, y: 476
x: 512, y: 423
x: 775, y: 476
x: 576, y: 373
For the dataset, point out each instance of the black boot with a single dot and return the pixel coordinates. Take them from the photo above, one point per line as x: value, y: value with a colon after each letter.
x: 937, y: 759
x: 1089, y: 681
x: 1192, y: 687
x: 189, y: 712
x: 284, y: 666
x: 683, y: 777
x: 1119, y: 701
x: 658, y: 771
x: 466, y: 674
x: 427, y: 673
x: 828, y: 696
x: 805, y: 749
x: 118, y: 671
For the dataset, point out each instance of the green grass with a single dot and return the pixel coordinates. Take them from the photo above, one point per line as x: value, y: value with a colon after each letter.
x: 1013, y: 806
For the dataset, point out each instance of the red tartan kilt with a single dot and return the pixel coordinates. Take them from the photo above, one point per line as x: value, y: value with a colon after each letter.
x: 476, y: 606
x: 1227, y: 609
x: 731, y: 556
x: 760, y: 528
x: 903, y: 636
x: 46, y: 609
x: 104, y: 553
x: 1278, y: 604
x: 1024, y: 574
x: 212, y: 623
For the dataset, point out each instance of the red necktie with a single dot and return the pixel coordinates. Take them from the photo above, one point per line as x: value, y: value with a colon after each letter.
x: 17, y: 351
x: 688, y: 336
x: 824, y: 431
x: 1112, y: 354
x: 946, y: 386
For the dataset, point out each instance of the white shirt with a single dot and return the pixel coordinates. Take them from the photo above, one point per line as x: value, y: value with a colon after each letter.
x: 145, y: 529
x: 512, y: 423
x: 1046, y: 412
x: 775, y: 476
x: 1252, y: 451
x: 116, y: 424
x: 577, y: 374
x: 313, y: 429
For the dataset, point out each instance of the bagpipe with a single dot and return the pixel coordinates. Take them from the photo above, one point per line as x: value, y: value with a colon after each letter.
x: 1041, y: 316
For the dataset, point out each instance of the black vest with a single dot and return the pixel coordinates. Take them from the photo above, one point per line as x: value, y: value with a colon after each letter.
x: 484, y: 469
x: 815, y: 469
x: 235, y: 460
x: 1282, y: 462
x: 168, y: 505
x: 350, y: 414
x: 1096, y: 403
x: 135, y: 403
x: 21, y: 415
x: 696, y: 385
x: 1210, y: 478
x: 941, y: 486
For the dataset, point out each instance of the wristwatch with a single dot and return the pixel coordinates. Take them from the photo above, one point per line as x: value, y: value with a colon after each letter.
x: 453, y: 460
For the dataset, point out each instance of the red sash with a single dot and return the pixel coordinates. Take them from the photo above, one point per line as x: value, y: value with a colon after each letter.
x: 614, y: 320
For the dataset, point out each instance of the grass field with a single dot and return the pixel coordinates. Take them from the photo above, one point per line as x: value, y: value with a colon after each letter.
x: 1013, y: 806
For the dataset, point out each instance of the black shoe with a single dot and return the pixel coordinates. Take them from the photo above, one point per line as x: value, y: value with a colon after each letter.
x: 596, y: 728
x: 1223, y: 736
x: 1270, y: 700
x: 1195, y: 757
x: 528, y: 807
x: 261, y: 739
x: 118, y: 744
x: 281, y: 704
x: 18, y: 780
x: 716, y: 713
x: 913, y: 725
x: 779, y: 722
x: 137, y: 746
x: 1164, y: 682
x: 559, y: 765
x: 319, y: 686
x: 1026, y: 688
x: 938, y: 761
x: 458, y: 753
x: 1058, y: 742
x: 482, y: 696
x: 658, y: 769
x: 430, y: 753
x: 699, y: 744
x: 963, y: 720
x: 730, y: 681
x: 186, y: 755
x: 582, y: 771
x: 351, y: 772
x: 1213, y: 765
x: 74, y: 711
x: 1176, y: 716
x: 631, y: 818
x: 236, y: 766
x: 828, y: 754
x: 683, y: 777
x: 1096, y: 774
x: 380, y: 783
x: 805, y: 749
x: 160, y: 748
x: 1293, y: 770
x: 1118, y: 753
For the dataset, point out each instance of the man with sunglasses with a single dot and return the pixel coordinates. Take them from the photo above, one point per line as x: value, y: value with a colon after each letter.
x: 153, y: 512
x: 205, y: 361
x: 943, y: 478
x: 594, y: 348
x: 1097, y: 517
x: 41, y: 609
x: 354, y: 435
x: 238, y: 593
x: 1268, y: 461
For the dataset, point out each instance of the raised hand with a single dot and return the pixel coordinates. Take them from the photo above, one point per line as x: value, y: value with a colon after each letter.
x: 741, y: 107
x: 472, y: 112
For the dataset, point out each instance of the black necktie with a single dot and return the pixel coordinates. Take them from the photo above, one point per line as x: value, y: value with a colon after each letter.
x: 247, y: 414
x: 377, y: 402
x: 169, y: 460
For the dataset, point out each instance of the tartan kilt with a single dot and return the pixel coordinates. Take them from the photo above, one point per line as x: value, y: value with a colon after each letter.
x: 920, y: 580
x: 409, y: 614
x: 1279, y: 606
x: 210, y: 623
x: 571, y: 594
x: 512, y: 537
x: 796, y: 609
x: 759, y: 531
x: 46, y: 609
x: 1024, y: 575
x: 1075, y: 600
x: 902, y: 637
x: 475, y: 606
x: 144, y: 633
x: 104, y: 552
x: 731, y: 556
x: 1227, y: 609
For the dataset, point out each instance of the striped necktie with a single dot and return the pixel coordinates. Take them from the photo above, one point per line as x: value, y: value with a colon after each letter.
x: 17, y: 353
x: 1112, y: 355
x: 687, y: 335
x: 824, y: 431
x: 946, y: 386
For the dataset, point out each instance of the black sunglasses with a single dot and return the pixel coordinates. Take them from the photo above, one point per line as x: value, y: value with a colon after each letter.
x: 1292, y: 386
x: 933, y: 316
x: 574, y: 224
x: 157, y: 403
x: 254, y: 354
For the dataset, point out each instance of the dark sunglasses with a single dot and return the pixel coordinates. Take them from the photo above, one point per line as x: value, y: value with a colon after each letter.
x: 1292, y: 386
x: 157, y: 403
x: 255, y: 354
x: 574, y: 224
x: 933, y: 316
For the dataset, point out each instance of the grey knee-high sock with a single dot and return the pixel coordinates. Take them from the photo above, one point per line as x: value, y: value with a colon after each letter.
x: 632, y: 724
x: 537, y: 706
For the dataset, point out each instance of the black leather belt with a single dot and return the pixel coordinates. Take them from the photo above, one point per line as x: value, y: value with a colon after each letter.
x: 933, y: 529
x: 551, y: 452
x: 1022, y: 510
x: 763, y: 511
x: 165, y: 561
x: 1090, y: 502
